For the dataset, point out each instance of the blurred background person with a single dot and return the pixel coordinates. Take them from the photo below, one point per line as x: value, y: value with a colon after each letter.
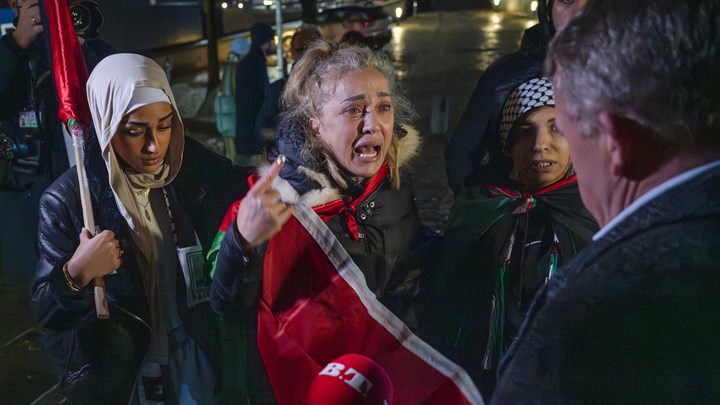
x: 251, y: 79
x: 225, y: 110
x: 28, y: 108
x: 269, y: 113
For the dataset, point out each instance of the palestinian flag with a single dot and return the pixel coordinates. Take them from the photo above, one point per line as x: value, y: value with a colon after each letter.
x: 315, y: 306
x: 227, y: 221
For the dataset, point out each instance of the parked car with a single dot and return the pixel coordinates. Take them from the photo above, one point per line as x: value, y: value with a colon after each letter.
x: 370, y: 25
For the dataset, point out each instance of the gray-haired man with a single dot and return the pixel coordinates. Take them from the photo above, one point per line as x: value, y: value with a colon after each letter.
x: 635, y: 317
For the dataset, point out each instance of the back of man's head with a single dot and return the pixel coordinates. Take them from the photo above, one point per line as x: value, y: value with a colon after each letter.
x: 654, y: 61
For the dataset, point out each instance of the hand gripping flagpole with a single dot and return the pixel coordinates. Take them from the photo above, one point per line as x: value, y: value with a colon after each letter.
x: 76, y: 131
x: 71, y: 73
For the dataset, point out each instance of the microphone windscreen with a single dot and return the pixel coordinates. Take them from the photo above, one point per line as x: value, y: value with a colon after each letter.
x: 351, y: 379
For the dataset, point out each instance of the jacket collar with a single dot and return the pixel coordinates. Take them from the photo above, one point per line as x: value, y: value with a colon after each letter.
x: 698, y: 197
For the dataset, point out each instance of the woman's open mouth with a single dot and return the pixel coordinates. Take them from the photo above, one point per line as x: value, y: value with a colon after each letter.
x: 367, y: 151
x: 542, y: 166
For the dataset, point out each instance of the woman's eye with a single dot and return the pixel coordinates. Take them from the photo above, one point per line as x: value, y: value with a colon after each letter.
x: 526, y: 130
x: 353, y: 110
x: 135, y: 132
x: 164, y: 128
x: 385, y: 107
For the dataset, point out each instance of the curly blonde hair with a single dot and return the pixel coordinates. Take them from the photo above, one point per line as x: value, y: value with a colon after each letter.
x: 313, y: 79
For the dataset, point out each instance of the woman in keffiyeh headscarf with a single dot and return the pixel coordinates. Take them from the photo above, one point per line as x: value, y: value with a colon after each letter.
x: 156, y: 199
x: 505, y: 240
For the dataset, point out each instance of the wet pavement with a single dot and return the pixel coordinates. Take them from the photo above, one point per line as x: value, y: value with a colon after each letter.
x: 439, y: 57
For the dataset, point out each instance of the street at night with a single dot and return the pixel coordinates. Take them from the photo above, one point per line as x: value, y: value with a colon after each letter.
x: 439, y: 58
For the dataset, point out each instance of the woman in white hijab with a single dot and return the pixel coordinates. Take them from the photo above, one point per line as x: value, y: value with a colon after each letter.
x: 154, y: 219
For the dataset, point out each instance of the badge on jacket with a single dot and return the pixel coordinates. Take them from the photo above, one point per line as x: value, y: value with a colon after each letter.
x: 192, y: 262
x: 27, y: 119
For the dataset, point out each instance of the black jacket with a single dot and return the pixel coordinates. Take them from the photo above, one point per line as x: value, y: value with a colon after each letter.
x: 115, y: 348
x: 634, y: 318
x: 388, y: 220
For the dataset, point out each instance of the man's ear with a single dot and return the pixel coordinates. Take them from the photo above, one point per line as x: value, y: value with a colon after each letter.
x: 633, y: 154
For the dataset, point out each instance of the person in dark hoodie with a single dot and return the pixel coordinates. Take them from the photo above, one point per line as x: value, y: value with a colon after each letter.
x: 474, y: 153
x: 251, y: 79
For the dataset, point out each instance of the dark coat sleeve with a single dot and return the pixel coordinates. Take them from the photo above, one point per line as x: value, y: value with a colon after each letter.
x: 207, y: 185
x: 237, y: 274
x: 56, y: 306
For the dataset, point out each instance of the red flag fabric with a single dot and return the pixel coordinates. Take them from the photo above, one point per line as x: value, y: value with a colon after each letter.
x: 68, y: 64
x: 315, y: 306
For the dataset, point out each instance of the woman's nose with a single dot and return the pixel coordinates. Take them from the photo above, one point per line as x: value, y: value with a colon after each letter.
x: 370, y: 123
x: 151, y: 142
x: 542, y: 140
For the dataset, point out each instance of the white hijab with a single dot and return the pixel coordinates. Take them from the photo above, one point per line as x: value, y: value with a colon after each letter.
x: 110, y: 91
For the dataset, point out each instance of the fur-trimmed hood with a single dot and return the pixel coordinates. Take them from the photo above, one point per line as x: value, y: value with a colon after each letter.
x: 307, y: 178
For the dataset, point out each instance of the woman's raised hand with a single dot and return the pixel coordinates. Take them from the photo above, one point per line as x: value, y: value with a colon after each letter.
x: 262, y: 212
x: 95, y: 257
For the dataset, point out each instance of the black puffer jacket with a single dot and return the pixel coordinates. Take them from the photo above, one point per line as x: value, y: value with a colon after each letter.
x: 474, y: 153
x: 387, y: 220
x: 206, y: 184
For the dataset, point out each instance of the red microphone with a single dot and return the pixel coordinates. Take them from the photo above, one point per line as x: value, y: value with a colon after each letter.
x: 351, y: 379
